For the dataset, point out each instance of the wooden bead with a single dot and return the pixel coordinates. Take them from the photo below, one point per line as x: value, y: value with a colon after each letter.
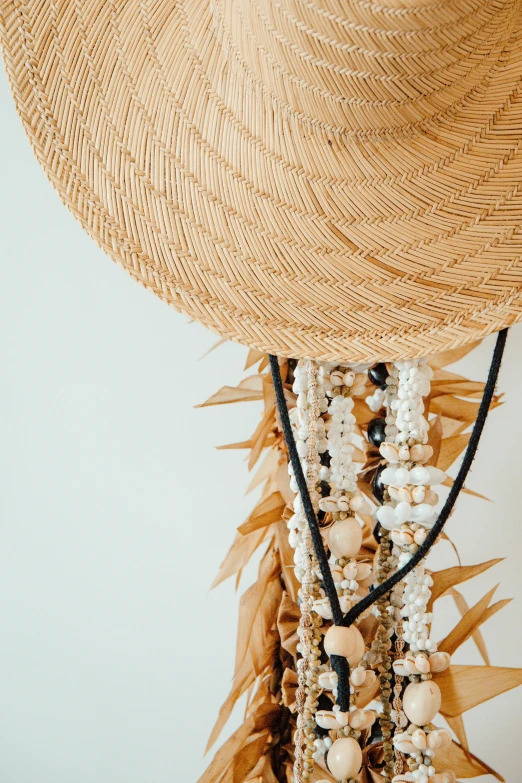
x: 344, y: 758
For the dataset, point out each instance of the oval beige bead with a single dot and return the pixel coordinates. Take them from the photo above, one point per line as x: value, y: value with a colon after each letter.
x: 339, y: 640
x: 345, y: 537
x: 359, y: 649
x: 421, y: 702
x: 344, y: 758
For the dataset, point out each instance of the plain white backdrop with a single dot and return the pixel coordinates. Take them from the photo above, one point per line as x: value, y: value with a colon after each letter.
x: 116, y: 511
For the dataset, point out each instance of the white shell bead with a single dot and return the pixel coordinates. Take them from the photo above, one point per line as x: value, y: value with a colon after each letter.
x: 388, y: 476
x: 364, y: 571
x: 403, y: 511
x: 405, y: 746
x: 322, y: 608
x: 436, y: 475
x: 439, y: 737
x: 404, y: 453
x: 350, y: 571
x: 327, y: 680
x: 402, y: 476
x: 386, y: 516
x: 422, y: 513
x: 326, y: 719
x: 358, y: 676
x: 419, y: 739
x: 419, y: 475
x: 422, y: 664
x: 399, y: 668
x: 361, y: 719
x: 439, y: 661
x: 389, y: 451
x: 418, y: 494
x: 328, y: 504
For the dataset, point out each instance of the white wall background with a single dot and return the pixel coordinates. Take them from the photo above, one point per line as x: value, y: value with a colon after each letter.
x: 116, y: 512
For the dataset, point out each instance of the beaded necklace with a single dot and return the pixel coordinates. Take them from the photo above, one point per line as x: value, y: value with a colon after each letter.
x: 408, y: 526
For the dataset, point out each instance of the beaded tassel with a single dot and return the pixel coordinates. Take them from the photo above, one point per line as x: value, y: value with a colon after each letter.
x: 307, y: 385
x: 312, y: 384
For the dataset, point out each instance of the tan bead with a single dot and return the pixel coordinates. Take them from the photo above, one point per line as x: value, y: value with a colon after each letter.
x: 421, y: 702
x: 339, y: 640
x: 345, y: 538
x: 344, y: 758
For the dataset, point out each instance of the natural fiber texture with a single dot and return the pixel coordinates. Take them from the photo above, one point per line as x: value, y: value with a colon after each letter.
x: 261, y: 750
x: 324, y: 178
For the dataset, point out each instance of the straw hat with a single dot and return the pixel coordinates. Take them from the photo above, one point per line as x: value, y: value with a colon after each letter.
x: 337, y: 179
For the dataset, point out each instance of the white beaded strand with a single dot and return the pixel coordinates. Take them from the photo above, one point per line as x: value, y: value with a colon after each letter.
x: 408, y: 515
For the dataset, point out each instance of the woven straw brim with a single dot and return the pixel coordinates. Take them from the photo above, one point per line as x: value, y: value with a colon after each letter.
x: 329, y: 179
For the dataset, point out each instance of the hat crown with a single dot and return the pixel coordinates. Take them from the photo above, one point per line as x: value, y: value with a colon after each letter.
x: 362, y: 67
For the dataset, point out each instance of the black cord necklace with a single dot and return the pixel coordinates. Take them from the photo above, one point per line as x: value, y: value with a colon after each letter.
x: 340, y: 664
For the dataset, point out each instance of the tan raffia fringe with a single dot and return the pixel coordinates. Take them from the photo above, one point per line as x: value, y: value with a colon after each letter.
x: 333, y: 179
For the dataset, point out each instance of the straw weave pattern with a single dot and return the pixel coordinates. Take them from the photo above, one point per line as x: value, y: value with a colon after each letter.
x: 331, y: 179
